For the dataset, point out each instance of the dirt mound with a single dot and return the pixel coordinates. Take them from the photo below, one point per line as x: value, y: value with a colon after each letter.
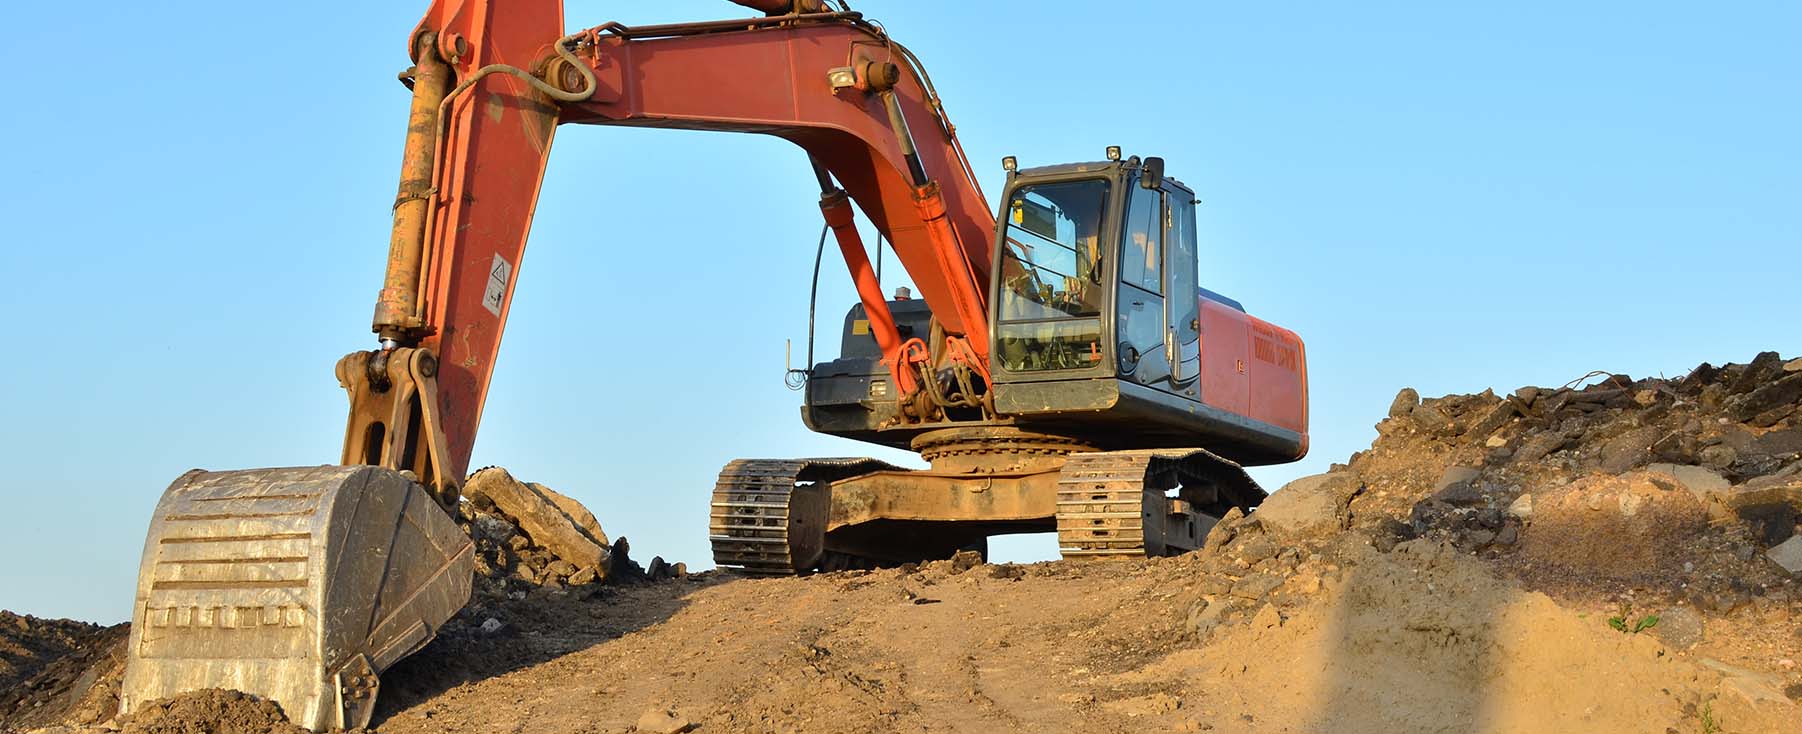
x: 1686, y: 486
x: 1610, y: 557
x: 210, y: 711
x: 79, y: 687
x: 28, y: 643
x: 1426, y: 639
x: 1336, y: 637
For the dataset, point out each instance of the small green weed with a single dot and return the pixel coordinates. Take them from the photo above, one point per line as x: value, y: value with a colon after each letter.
x: 1624, y: 621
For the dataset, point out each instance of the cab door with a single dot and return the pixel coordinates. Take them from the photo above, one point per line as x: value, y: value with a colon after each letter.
x: 1182, y: 293
x: 1142, y: 352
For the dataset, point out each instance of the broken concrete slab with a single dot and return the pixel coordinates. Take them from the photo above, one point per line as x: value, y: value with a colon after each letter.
x: 539, y: 516
x: 1699, y: 480
x: 584, y: 520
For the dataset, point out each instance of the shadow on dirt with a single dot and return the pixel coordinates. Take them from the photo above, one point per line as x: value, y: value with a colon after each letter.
x: 491, y: 638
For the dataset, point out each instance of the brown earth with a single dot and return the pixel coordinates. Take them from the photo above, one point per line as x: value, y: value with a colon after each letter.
x: 210, y: 711
x: 1601, y: 557
x: 28, y: 643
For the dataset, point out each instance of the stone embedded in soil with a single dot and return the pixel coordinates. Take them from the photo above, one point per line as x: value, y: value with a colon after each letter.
x: 1630, y: 449
x: 663, y: 721
x: 1493, y: 420
x: 1405, y: 402
x: 1461, y: 493
x: 1310, y: 506
x: 1680, y: 627
x: 1699, y: 480
x: 1521, y: 508
x: 1256, y: 586
x: 965, y: 560
x: 1539, y: 446
x: 1788, y: 556
x: 1432, y: 420
x: 1782, y: 392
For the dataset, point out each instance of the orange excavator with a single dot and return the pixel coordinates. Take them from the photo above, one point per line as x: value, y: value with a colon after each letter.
x: 1062, y: 370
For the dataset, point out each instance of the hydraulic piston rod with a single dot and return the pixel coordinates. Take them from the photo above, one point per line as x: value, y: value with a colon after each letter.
x: 397, y: 310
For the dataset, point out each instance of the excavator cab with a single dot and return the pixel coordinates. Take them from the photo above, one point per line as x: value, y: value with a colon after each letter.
x: 1101, y: 329
x: 1100, y: 319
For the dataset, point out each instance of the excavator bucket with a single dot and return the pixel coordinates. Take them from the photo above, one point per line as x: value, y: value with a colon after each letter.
x: 298, y: 585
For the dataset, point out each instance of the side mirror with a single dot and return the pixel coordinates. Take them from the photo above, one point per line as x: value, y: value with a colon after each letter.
x: 1151, y: 173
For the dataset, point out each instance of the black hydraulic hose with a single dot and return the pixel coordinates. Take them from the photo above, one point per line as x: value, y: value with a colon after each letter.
x: 813, y: 299
x: 797, y: 378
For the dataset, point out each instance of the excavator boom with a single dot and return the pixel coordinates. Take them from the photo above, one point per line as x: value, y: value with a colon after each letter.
x: 829, y: 82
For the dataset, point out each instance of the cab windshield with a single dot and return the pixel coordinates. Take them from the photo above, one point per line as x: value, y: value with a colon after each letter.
x: 1051, y: 270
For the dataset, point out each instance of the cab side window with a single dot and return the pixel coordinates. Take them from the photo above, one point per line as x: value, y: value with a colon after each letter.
x: 1141, y: 251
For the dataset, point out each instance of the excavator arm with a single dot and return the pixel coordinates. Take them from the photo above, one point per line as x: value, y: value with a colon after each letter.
x: 492, y: 81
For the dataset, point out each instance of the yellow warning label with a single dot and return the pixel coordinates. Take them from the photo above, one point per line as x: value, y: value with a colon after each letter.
x: 860, y: 326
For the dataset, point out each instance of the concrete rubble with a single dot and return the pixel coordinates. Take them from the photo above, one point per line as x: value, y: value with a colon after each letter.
x: 529, y: 537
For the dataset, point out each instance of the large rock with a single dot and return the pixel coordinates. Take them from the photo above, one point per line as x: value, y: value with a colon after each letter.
x: 1311, y: 506
x: 1628, y: 450
x: 1405, y: 402
x: 1760, y: 370
x: 1539, y: 446
x: 1493, y: 420
x: 541, y: 517
x: 584, y: 520
x: 1433, y: 420
x: 1786, y: 391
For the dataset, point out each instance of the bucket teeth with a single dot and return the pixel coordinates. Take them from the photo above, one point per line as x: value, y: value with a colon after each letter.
x: 298, y: 585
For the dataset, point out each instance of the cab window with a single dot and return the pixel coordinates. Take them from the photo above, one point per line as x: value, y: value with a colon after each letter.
x: 1051, y: 276
x: 1141, y: 256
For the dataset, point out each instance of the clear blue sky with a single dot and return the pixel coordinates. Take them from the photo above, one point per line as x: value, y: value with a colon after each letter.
x: 1442, y: 195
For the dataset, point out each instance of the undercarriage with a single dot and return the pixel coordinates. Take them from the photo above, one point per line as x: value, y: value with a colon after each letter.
x: 792, y: 516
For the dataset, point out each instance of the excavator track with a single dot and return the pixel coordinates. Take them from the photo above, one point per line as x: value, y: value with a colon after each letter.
x: 1113, y: 504
x: 768, y: 516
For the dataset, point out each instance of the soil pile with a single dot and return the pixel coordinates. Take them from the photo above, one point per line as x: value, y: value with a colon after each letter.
x: 1614, y: 555
x: 1671, y: 498
x: 1351, y: 639
x: 65, y: 671
x: 28, y: 643
x: 209, y: 711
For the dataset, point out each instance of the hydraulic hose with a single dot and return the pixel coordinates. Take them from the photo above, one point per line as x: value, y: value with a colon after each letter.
x: 564, y: 51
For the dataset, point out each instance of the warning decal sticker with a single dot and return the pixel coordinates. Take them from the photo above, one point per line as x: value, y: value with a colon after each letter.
x: 496, y: 293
